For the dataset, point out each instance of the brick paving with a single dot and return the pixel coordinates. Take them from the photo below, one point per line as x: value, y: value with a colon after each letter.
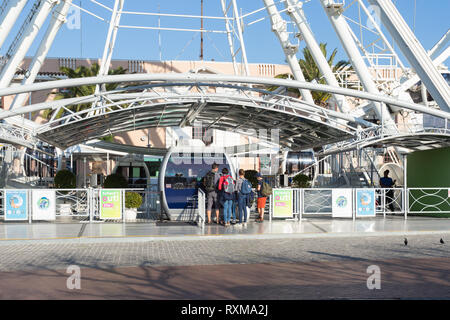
x: 216, y: 252
x: 400, y: 279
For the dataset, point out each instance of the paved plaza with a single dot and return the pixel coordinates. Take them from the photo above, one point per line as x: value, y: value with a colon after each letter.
x: 309, y: 227
x: 234, y: 265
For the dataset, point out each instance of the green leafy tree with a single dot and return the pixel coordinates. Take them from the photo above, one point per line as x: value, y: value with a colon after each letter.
x: 312, y: 73
x: 81, y: 91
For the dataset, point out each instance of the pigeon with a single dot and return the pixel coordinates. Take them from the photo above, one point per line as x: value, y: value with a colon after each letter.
x: 442, y: 241
x: 406, y: 242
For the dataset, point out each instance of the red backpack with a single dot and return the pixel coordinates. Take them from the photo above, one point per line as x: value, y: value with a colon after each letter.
x: 228, y: 184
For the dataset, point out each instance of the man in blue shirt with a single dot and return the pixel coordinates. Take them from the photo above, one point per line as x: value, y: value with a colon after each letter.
x: 387, y: 182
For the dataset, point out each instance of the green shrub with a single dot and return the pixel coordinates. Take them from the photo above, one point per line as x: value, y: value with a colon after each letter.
x: 65, y: 179
x: 301, y: 181
x: 115, y: 180
x: 133, y: 200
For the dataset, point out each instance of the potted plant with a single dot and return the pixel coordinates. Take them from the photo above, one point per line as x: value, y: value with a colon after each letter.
x: 133, y: 200
x: 301, y: 181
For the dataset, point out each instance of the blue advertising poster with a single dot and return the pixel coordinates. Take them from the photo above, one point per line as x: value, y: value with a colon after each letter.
x: 16, y: 206
x: 365, y: 203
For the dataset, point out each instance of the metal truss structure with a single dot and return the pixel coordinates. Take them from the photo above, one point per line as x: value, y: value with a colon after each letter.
x: 14, y: 135
x: 239, y: 103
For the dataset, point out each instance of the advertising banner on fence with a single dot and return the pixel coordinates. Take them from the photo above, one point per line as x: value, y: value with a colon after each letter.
x: 110, y: 204
x: 283, y: 203
x: 16, y: 205
x: 342, y: 203
x: 365, y: 203
x: 44, y: 204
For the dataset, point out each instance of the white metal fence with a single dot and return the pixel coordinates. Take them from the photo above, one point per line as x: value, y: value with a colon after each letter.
x: 433, y: 202
x: 80, y: 205
x: 84, y: 205
x: 422, y: 201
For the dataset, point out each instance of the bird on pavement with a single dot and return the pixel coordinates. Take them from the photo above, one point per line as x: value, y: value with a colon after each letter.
x: 442, y: 241
x: 406, y: 242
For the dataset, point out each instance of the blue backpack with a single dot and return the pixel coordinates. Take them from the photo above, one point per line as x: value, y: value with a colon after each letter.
x: 246, y: 187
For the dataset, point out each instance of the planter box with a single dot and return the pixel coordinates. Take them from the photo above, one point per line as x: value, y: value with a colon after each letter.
x: 130, y: 213
x: 64, y: 209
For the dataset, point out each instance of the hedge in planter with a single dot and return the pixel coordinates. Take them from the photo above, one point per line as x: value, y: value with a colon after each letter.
x: 301, y: 181
x: 115, y: 180
x: 133, y: 200
x: 65, y: 179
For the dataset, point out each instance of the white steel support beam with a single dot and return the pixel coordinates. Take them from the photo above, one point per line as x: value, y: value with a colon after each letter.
x: 110, y: 42
x: 240, y: 37
x: 111, y: 37
x: 58, y: 19
x: 414, y: 52
x: 217, y: 80
x: 415, y: 78
x: 441, y: 44
x: 192, y: 114
x: 334, y: 13
x: 25, y: 42
x: 9, y: 17
x: 229, y: 36
x: 380, y: 33
x: 279, y: 27
x: 296, y: 13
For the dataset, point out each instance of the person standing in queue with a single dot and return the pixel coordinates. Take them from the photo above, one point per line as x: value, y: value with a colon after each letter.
x: 243, y: 190
x: 261, y: 203
x: 387, y: 183
x: 226, y: 189
x: 210, y: 182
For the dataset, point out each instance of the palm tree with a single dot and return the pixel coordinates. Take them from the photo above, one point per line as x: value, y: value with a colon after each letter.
x: 81, y: 91
x: 312, y: 73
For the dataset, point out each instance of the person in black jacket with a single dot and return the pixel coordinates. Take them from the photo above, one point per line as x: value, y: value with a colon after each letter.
x: 210, y: 182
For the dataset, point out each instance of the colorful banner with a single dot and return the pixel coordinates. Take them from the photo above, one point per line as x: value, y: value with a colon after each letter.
x: 365, y: 203
x: 110, y: 204
x: 282, y: 203
x: 44, y: 204
x: 342, y: 203
x: 16, y: 206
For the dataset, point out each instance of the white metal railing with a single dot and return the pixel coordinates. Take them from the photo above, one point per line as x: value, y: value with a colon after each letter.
x: 201, y: 204
x: 390, y: 200
x: 387, y: 201
x: 428, y: 200
x: 84, y: 205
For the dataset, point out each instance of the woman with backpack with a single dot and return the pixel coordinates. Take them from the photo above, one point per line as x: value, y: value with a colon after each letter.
x: 244, y: 189
x: 226, y: 187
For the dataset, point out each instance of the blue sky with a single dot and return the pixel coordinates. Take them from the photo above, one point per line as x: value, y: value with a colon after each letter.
x: 431, y: 22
